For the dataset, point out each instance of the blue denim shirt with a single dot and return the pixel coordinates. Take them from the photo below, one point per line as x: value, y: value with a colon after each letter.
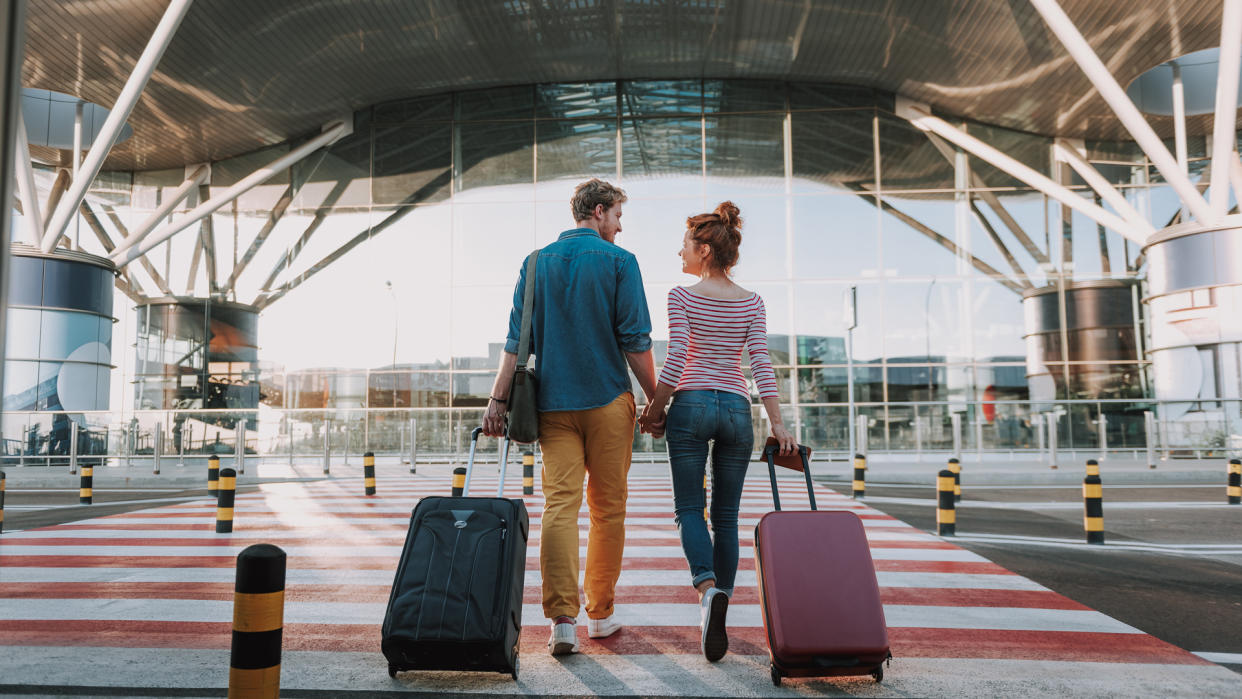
x: 590, y: 308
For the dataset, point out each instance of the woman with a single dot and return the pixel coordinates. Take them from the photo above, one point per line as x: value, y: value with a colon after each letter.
x: 710, y: 323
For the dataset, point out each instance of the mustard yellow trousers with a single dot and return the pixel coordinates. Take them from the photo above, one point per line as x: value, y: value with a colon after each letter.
x: 598, y: 442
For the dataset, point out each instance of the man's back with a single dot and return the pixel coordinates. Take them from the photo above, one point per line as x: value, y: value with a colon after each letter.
x: 590, y: 308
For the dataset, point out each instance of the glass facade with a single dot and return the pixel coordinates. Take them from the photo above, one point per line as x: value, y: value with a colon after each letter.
x: 387, y: 283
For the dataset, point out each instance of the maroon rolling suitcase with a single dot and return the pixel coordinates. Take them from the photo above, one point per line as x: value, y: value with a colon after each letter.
x: 817, y: 589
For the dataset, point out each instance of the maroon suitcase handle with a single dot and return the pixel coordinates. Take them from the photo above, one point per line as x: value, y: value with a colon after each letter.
x: 769, y: 455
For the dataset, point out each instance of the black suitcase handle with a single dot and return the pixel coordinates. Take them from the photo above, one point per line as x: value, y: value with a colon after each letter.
x: 769, y: 455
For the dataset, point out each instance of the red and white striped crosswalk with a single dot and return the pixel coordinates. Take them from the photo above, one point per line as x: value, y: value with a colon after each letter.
x: 162, y: 580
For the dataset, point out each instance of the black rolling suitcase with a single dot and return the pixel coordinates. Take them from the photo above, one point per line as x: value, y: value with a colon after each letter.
x: 456, y: 602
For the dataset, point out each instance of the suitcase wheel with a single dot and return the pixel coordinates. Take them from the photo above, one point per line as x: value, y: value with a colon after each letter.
x: 878, y: 673
x: 392, y: 671
x: 516, y: 663
x: 776, y: 676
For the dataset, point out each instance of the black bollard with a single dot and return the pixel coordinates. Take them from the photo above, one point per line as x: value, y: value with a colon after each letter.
x: 224, y: 503
x: 1, y: 501
x: 860, y: 476
x: 86, y: 489
x: 258, y: 622
x: 368, y: 473
x: 1093, y: 509
x: 1234, y: 490
x: 528, y: 472
x: 956, y: 467
x: 213, y: 476
x: 946, y: 513
x: 459, y: 481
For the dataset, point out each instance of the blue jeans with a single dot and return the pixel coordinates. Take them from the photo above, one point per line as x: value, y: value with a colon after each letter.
x: 695, y: 418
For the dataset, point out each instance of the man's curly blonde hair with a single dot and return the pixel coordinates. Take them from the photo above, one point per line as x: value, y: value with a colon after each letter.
x: 591, y: 193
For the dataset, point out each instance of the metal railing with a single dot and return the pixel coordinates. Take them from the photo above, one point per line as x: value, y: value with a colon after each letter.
x: 1013, y: 429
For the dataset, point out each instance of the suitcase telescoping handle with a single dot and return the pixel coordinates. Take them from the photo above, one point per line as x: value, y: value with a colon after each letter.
x: 769, y: 455
x: 474, y: 443
x: 504, y: 461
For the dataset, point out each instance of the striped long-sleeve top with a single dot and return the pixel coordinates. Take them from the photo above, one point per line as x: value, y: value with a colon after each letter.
x: 706, y: 337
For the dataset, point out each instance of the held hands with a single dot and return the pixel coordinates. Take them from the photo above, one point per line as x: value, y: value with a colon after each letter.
x: 788, y: 443
x: 494, y: 419
x: 652, y: 420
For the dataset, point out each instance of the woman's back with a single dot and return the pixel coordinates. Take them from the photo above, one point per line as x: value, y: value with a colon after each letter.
x: 706, y: 337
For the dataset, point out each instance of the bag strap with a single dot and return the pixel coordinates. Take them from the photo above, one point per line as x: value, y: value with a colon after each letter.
x: 528, y: 306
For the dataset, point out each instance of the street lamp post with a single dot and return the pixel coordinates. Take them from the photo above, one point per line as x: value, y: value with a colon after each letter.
x: 851, y: 322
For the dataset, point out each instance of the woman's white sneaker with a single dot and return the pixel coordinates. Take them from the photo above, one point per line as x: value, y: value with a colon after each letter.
x: 715, y: 641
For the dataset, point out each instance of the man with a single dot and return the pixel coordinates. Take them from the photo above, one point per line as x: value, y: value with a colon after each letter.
x: 590, y: 319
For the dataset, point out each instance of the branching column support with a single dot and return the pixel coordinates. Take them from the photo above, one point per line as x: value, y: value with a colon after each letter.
x: 171, y: 202
x: 25, y: 183
x: 112, y: 126
x: 920, y: 116
x: 331, y: 134
x: 1071, y: 152
x: 1223, y: 136
x: 1125, y: 110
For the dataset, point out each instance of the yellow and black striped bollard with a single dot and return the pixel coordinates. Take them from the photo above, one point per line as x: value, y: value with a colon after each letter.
x: 459, y: 481
x: 956, y: 467
x: 368, y: 472
x: 224, y: 503
x: 1093, y: 508
x: 946, y: 512
x: 1234, y: 490
x: 860, y: 476
x: 213, y: 476
x: 258, y: 622
x: 528, y: 472
x: 1093, y: 467
x: 85, y: 488
x: 1, y: 501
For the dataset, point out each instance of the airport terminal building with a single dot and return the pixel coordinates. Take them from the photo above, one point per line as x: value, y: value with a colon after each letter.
x: 976, y: 225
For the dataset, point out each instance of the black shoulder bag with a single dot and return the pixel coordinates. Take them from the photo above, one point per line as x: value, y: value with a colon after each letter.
x: 523, y: 420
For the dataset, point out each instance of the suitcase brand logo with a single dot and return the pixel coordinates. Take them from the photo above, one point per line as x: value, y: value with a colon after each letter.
x: 462, y: 516
x: 460, y: 524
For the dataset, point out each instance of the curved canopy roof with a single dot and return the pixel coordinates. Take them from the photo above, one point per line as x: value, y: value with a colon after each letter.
x: 242, y: 74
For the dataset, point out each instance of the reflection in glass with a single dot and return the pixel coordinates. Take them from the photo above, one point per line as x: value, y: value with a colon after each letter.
x: 490, y: 154
x: 835, y: 236
x: 655, y: 147
x: 834, y: 148
x: 661, y: 97
x: 412, y: 163
x: 748, y: 146
x: 576, y: 100
x: 577, y: 150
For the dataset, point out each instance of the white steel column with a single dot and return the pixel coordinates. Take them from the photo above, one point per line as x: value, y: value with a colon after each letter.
x: 25, y: 182
x: 169, y: 204
x: 112, y: 126
x: 1235, y: 175
x: 1179, y: 118
x: 921, y: 118
x: 1125, y: 110
x: 330, y: 134
x: 1072, y: 153
x: 1223, y: 137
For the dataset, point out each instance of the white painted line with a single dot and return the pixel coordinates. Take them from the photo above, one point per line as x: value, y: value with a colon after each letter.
x: 394, y: 552
x: 740, y: 615
x: 1224, y: 658
x: 1108, y: 504
x: 1174, y: 549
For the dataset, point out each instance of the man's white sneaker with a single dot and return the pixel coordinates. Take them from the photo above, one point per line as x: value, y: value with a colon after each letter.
x: 564, y: 639
x: 602, y: 628
x: 715, y: 641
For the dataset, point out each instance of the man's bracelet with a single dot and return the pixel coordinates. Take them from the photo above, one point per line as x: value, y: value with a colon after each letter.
x: 498, y: 400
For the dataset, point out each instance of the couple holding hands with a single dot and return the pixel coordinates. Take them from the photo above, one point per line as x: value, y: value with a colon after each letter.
x: 590, y: 320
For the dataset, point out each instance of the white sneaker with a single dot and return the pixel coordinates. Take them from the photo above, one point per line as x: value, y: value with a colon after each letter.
x: 715, y: 641
x: 602, y: 628
x: 564, y: 638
